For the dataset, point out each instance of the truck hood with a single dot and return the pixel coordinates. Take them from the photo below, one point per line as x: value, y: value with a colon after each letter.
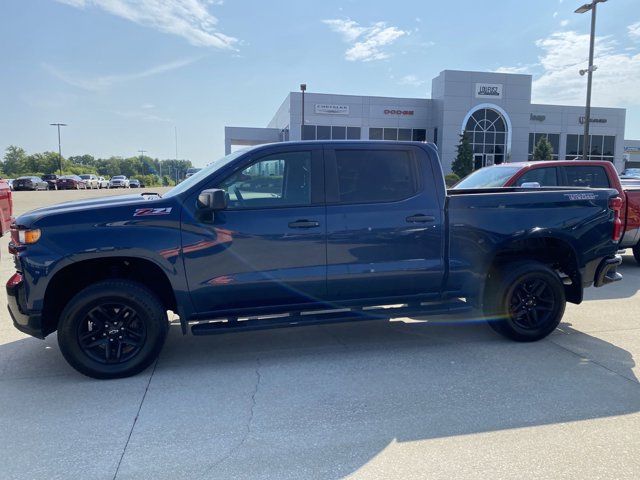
x: 29, y: 218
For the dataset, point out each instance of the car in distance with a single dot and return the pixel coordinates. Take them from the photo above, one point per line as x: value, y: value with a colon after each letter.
x: 282, y: 233
x: 119, y: 181
x: 90, y: 180
x: 52, y: 180
x: 29, y: 182
x: 134, y: 183
x: 71, y: 182
x: 103, y: 182
x: 10, y: 182
x: 192, y: 171
x: 630, y: 172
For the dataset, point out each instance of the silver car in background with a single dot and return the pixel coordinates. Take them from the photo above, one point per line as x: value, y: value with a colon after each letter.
x: 91, y: 180
x: 119, y: 181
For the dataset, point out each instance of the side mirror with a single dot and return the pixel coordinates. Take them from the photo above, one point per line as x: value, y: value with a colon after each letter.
x: 530, y: 185
x: 212, y: 199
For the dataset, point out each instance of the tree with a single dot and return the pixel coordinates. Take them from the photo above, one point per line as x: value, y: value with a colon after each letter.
x: 543, y: 149
x: 463, y: 163
x: 15, y: 159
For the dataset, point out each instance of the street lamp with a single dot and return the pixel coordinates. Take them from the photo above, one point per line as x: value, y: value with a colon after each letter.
x: 589, y: 71
x: 303, y: 88
x: 59, y: 145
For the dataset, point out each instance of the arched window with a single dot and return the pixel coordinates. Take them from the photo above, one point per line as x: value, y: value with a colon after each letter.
x: 487, y: 133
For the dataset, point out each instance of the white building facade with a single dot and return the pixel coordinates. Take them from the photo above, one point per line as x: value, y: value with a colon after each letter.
x: 494, y: 110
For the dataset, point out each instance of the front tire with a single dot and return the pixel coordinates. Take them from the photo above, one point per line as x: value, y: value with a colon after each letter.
x: 112, y: 329
x: 525, y: 301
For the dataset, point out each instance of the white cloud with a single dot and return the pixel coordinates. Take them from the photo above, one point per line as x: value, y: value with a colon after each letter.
x: 565, y: 53
x: 634, y: 31
x: 189, y: 19
x: 555, y: 14
x: 411, y: 80
x: 516, y: 69
x: 104, y: 82
x: 367, y: 43
x: 564, y: 23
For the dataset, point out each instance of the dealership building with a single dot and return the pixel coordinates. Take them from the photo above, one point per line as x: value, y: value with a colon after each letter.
x: 494, y: 109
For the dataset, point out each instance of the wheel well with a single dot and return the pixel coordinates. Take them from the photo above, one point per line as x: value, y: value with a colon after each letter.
x: 556, y: 254
x: 73, y: 278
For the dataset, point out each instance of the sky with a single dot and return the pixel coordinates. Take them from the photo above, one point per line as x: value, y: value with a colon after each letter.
x: 126, y: 75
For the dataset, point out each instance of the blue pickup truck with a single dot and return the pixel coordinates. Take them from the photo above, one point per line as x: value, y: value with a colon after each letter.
x: 303, y: 233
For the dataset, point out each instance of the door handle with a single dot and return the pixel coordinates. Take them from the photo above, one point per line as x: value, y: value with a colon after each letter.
x: 304, y: 224
x: 420, y: 218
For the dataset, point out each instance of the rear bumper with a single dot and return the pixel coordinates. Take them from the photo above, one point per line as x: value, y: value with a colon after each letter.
x: 26, y: 322
x: 607, y: 271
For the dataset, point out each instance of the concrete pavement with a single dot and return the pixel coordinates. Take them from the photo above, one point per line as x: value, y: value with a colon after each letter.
x: 402, y: 399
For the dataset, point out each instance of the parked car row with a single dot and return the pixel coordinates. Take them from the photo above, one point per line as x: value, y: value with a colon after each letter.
x: 68, y: 182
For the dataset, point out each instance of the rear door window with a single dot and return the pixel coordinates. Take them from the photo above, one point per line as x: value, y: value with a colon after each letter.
x: 369, y: 176
x: 546, y: 177
x: 586, y: 176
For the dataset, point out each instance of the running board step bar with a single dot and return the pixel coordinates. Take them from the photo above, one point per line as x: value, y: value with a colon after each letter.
x: 221, y: 326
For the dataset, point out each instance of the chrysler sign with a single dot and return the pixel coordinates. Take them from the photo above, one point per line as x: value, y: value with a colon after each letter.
x: 331, y: 109
x: 488, y: 90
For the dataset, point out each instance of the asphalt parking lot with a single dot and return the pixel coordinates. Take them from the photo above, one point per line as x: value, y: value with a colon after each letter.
x: 402, y: 399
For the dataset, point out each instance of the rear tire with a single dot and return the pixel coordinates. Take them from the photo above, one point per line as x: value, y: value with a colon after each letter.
x: 525, y: 301
x: 112, y: 329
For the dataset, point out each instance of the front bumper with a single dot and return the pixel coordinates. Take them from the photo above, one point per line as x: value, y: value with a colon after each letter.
x: 607, y: 271
x: 26, y: 322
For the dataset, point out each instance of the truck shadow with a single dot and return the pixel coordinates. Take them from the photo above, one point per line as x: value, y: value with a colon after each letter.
x: 346, y: 392
x: 353, y: 390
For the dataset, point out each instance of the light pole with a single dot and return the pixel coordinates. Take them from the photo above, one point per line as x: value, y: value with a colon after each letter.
x: 142, y: 152
x: 59, y: 144
x: 303, y: 88
x: 589, y: 71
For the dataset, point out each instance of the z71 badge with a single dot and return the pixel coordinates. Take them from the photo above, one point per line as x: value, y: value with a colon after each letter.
x: 147, y: 212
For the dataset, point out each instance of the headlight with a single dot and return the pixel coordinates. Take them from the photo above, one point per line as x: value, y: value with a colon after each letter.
x: 25, y: 236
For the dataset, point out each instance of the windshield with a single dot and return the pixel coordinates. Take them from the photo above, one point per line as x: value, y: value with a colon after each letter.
x: 118, y: 177
x: 488, y: 177
x: 205, y: 172
x: 85, y: 177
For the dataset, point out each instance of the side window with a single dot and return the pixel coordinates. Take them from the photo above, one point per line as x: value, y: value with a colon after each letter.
x: 279, y: 180
x: 366, y: 176
x: 546, y: 177
x: 585, y: 176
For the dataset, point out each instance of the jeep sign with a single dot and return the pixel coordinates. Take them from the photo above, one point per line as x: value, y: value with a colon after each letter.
x: 488, y: 90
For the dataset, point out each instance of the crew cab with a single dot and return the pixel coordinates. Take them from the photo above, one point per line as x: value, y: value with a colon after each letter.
x: 301, y: 233
x: 570, y: 173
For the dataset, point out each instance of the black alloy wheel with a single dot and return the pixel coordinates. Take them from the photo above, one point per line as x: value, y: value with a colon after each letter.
x: 524, y: 300
x: 112, y: 329
x: 531, y: 304
x: 111, y: 332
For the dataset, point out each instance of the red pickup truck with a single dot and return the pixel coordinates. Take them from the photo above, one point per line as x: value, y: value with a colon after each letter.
x: 566, y: 173
x: 6, y: 207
